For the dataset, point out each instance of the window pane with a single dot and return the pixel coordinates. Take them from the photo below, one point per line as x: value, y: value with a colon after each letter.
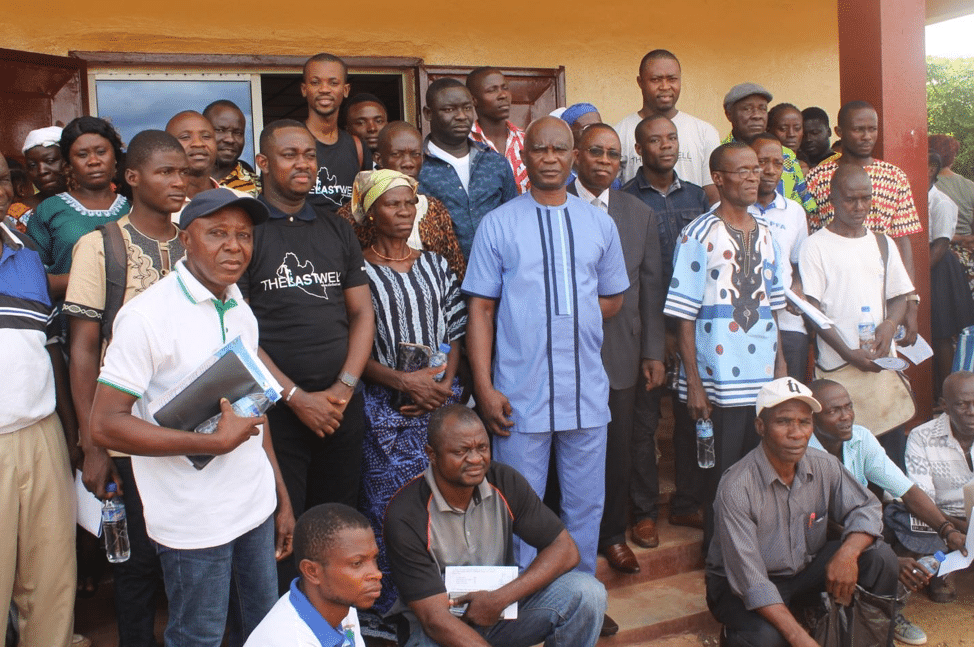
x: 136, y: 105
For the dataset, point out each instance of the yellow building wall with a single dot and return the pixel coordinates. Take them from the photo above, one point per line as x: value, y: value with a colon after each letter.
x: 789, y: 46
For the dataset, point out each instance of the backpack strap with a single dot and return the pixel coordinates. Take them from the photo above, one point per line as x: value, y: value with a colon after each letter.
x: 884, y: 254
x: 116, y: 262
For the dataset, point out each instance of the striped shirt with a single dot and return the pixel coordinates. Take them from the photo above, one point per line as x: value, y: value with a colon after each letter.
x: 26, y: 327
x: 512, y: 151
x: 421, y: 306
x: 547, y: 267
x: 765, y: 529
x: 892, y: 212
x: 729, y: 287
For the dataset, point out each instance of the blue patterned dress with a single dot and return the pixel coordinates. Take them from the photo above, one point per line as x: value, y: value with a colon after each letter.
x: 421, y: 306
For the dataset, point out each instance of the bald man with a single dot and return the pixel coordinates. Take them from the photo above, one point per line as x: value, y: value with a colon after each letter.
x: 545, y: 269
x: 845, y: 269
x: 196, y: 134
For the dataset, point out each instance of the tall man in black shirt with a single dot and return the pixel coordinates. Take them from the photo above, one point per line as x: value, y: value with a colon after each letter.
x: 340, y: 156
x: 307, y: 286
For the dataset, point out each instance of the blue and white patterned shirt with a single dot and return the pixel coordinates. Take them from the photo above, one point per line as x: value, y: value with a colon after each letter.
x: 729, y: 283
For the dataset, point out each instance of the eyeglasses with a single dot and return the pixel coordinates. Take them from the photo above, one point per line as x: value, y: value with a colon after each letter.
x: 598, y: 151
x: 743, y: 173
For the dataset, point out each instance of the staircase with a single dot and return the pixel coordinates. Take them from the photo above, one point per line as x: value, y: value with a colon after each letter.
x: 666, y: 598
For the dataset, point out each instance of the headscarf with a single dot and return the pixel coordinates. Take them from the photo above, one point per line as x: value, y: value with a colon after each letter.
x: 573, y: 112
x: 50, y: 136
x: 369, y: 185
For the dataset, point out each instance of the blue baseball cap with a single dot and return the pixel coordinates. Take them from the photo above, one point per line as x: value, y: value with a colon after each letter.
x: 209, y: 202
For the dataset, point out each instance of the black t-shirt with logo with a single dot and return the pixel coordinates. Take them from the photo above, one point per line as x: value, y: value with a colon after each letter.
x: 301, y: 265
x: 337, y: 167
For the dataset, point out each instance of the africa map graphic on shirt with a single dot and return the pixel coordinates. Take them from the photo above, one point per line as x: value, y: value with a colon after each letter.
x: 292, y: 273
x: 328, y: 186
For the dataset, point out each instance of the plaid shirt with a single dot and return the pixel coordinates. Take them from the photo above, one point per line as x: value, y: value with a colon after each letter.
x: 792, y: 183
x: 515, y: 142
x: 892, y: 212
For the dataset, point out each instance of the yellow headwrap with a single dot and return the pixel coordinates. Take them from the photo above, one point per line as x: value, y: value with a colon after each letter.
x: 369, y: 185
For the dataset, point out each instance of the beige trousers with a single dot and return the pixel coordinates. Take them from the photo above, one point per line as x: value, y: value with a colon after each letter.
x: 38, y: 568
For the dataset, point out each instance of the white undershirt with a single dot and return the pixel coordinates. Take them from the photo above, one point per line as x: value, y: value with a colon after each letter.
x: 460, y: 164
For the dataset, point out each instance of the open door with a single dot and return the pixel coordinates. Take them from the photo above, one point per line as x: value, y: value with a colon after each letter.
x: 534, y: 91
x: 37, y: 90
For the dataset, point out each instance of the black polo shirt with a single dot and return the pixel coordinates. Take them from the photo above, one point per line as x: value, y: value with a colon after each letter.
x: 301, y: 266
x: 424, y: 534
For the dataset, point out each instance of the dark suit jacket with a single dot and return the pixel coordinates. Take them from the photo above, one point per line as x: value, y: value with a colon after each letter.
x: 638, y: 331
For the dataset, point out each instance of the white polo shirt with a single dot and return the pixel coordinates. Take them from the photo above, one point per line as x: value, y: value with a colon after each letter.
x: 789, y: 227
x: 159, y: 337
x: 293, y: 622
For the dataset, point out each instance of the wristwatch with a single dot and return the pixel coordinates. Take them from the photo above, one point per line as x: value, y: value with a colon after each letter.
x: 348, y: 379
x: 915, y: 298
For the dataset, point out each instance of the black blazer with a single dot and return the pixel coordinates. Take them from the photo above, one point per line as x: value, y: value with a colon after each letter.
x: 638, y: 331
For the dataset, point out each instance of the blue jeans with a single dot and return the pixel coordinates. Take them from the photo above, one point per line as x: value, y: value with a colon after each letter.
x: 567, y: 612
x: 205, y: 586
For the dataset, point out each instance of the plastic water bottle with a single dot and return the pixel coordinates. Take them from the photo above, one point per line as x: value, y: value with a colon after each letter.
x: 249, y: 406
x: 439, y: 358
x: 867, y: 329
x: 931, y: 563
x: 114, y: 528
x: 705, y: 444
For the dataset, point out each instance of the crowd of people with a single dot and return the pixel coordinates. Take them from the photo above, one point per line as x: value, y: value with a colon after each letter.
x: 454, y: 326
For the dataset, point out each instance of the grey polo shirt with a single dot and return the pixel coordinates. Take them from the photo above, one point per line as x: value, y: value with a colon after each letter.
x: 764, y: 529
x: 424, y: 534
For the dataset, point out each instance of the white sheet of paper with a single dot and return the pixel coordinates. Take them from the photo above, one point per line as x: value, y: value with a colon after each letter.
x: 465, y: 579
x: 919, y: 352
x: 809, y: 310
x: 89, y: 507
x: 955, y: 560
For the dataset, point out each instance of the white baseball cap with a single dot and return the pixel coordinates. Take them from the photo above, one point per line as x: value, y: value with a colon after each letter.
x: 783, y: 389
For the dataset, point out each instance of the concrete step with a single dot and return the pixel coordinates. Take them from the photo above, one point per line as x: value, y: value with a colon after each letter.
x: 679, y: 551
x: 660, y: 608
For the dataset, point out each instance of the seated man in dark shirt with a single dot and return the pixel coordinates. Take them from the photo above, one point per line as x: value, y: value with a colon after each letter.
x: 769, y: 546
x: 464, y: 511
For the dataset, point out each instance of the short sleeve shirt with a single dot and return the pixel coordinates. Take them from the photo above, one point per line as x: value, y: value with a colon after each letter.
x: 295, y: 622
x: 844, y: 275
x: 789, y: 226
x: 547, y: 267
x: 424, y: 534
x: 892, y: 212
x: 159, y: 338
x: 766, y: 529
x: 866, y: 459
x: 698, y: 139
x: 26, y: 328
x: 60, y: 221
x: 512, y: 151
x: 730, y: 294
x: 942, y: 215
x: 936, y: 462
x: 296, y: 281
x: 148, y: 260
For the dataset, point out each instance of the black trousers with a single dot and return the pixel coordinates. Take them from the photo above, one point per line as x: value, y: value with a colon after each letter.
x: 878, y: 568
x: 317, y: 470
x: 138, y: 580
x: 734, y: 436
x: 618, y: 466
